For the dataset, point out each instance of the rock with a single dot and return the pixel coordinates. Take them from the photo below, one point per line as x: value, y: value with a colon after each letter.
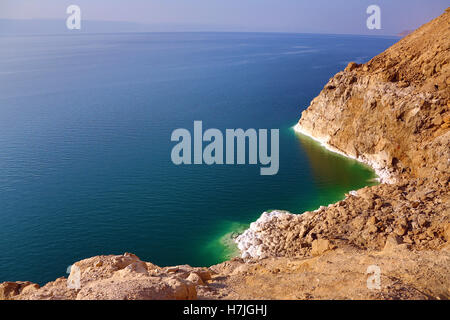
x: 102, y: 267
x: 8, y: 290
x: 400, y: 230
x: 147, y: 288
x: 437, y: 120
x: 372, y: 221
x: 195, y: 279
x: 138, y: 267
x: 351, y: 66
x: 392, y: 242
x: 372, y: 228
x: 55, y: 290
x: 29, y: 289
x: 320, y: 246
x: 204, y: 273
x: 446, y: 232
x: 172, y: 269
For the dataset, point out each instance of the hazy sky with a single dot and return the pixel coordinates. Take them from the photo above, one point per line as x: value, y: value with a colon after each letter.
x: 317, y: 16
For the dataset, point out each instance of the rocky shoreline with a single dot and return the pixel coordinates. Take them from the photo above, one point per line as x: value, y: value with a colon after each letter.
x: 382, y: 172
x: 392, y: 113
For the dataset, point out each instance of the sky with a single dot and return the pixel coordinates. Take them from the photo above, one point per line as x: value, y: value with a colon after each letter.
x: 300, y: 16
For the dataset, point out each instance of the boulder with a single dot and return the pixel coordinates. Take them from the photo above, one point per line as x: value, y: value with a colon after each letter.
x: 320, y: 246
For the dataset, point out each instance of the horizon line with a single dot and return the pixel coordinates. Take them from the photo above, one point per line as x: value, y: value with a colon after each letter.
x: 397, y: 34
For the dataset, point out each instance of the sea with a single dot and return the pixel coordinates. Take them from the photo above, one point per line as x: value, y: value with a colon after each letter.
x: 85, y: 142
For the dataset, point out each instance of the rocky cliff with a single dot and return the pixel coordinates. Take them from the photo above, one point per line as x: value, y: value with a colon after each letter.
x: 391, y: 113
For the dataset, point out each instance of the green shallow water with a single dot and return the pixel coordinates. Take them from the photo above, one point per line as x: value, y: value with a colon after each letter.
x: 323, y: 163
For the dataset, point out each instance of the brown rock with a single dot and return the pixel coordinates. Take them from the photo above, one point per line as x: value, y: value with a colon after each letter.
x: 146, y: 288
x: 320, y: 246
x: 204, y: 273
x: 400, y: 230
x: 372, y: 229
x: 392, y: 242
x: 195, y: 278
x: 172, y: 269
x: 351, y: 66
x: 8, y: 290
x: 447, y: 232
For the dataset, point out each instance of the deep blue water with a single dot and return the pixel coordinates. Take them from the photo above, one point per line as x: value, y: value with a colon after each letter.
x: 85, y: 125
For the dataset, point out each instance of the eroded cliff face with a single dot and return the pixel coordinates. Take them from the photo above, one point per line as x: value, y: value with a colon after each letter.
x: 392, y: 113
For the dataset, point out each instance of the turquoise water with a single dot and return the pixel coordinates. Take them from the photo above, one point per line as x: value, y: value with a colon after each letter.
x: 85, y: 125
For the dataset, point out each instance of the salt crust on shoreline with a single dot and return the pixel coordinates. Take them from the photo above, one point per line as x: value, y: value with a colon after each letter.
x: 250, y: 243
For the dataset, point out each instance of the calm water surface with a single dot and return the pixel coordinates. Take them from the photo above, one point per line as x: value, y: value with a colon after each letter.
x: 85, y: 125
